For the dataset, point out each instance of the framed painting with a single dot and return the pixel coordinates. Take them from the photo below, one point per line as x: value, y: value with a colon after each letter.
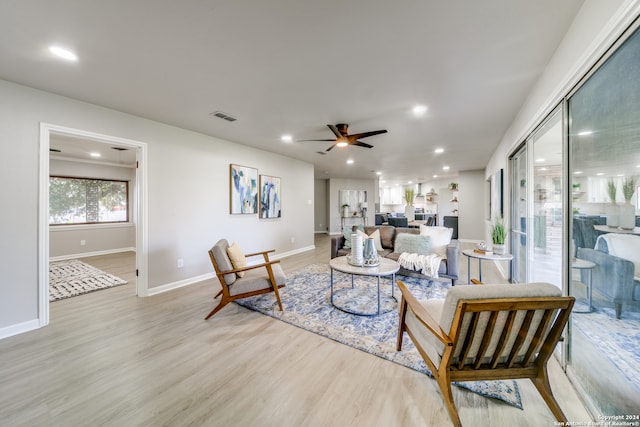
x: 244, y: 190
x: 270, y: 197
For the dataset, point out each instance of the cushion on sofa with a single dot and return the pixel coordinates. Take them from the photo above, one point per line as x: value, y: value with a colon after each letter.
x: 412, y: 243
x: 440, y: 238
x: 625, y: 246
x: 347, y: 232
x: 376, y: 238
x: 387, y: 234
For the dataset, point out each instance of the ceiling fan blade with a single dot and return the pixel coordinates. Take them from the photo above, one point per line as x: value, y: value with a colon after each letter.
x: 335, y: 131
x: 307, y: 140
x: 362, y: 144
x: 366, y: 134
x: 330, y: 148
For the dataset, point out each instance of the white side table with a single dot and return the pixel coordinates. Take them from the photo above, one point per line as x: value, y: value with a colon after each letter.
x: 583, y: 264
x: 470, y: 253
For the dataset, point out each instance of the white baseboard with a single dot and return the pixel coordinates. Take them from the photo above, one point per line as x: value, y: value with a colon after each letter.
x: 90, y: 254
x: 20, y: 328
x: 179, y: 284
x: 197, y: 279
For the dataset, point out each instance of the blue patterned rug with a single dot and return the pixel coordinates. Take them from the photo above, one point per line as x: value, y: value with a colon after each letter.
x: 618, y: 339
x: 306, y: 305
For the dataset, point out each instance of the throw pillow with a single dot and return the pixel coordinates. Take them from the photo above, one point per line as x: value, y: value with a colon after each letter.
x: 376, y: 238
x: 347, y: 232
x: 440, y: 238
x: 412, y: 243
x: 237, y: 258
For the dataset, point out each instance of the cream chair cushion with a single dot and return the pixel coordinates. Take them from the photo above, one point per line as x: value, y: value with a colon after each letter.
x: 237, y: 258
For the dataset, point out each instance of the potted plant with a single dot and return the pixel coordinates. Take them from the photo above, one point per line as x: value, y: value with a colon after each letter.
x: 627, y: 211
x: 345, y: 210
x: 498, y: 235
x: 453, y: 186
x: 409, y: 212
x: 613, y: 213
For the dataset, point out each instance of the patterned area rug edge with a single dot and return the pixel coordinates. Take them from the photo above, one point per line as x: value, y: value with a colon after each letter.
x: 74, y: 277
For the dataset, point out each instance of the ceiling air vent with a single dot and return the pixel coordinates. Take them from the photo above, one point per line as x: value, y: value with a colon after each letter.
x: 224, y: 116
x: 119, y: 148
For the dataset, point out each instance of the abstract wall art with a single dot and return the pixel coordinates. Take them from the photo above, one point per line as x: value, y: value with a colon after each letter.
x: 244, y: 190
x: 270, y: 197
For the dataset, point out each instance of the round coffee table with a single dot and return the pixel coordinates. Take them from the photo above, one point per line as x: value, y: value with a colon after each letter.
x: 364, y: 301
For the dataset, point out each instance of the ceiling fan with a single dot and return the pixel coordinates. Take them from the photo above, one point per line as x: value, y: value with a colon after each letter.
x: 343, y: 138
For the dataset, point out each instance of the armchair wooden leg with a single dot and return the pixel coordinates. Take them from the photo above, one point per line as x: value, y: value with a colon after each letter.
x: 223, y: 302
x: 544, y: 388
x: 445, y: 388
x: 402, y: 311
x: 275, y: 289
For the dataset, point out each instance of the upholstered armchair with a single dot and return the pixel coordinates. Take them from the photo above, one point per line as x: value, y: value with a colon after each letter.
x: 615, y: 277
x: 244, y: 281
x: 487, y: 332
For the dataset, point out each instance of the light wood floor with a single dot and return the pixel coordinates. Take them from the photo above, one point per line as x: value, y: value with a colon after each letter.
x: 110, y: 358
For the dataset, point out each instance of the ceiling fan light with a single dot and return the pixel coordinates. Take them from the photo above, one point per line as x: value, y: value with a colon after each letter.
x: 342, y: 144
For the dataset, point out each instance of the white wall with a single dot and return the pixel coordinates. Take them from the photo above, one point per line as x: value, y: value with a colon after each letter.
x: 64, y: 241
x: 188, y: 195
x: 320, y: 210
x: 594, y: 29
x: 472, y: 199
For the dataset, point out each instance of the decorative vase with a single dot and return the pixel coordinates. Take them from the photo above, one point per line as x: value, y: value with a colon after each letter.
x: 627, y: 216
x: 613, y: 215
x: 370, y: 254
x: 356, y: 257
x: 499, y: 249
x: 410, y: 213
x: 345, y: 211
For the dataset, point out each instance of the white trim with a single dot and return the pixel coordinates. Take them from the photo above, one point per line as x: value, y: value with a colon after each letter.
x: 69, y: 227
x: 179, y: 284
x: 92, y: 162
x: 289, y: 253
x: 140, y: 220
x: 19, y: 328
x: 90, y: 254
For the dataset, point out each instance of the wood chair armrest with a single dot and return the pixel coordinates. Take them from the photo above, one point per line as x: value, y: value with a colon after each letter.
x: 423, y: 315
x: 250, y: 267
x: 259, y: 253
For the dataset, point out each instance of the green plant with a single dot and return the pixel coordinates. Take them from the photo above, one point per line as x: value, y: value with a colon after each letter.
x: 629, y: 187
x: 498, y: 233
x: 453, y: 186
x: 346, y: 205
x: 408, y: 195
x: 612, y: 189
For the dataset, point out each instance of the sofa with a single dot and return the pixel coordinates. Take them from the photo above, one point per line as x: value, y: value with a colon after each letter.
x: 615, y: 278
x: 449, y: 266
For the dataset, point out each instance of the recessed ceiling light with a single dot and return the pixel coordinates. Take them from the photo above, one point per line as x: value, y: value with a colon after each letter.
x: 435, y: 176
x: 94, y: 154
x: 286, y: 138
x: 577, y: 172
x: 584, y: 133
x: 445, y: 168
x: 350, y: 162
x: 410, y: 182
x: 378, y: 173
x: 419, y: 110
x: 600, y: 173
x: 438, y: 150
x: 540, y: 160
x: 543, y: 169
x: 63, y: 53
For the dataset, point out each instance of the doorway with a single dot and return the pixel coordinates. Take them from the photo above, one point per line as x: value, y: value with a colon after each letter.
x: 138, y: 215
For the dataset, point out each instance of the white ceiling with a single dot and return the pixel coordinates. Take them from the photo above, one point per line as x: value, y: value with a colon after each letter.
x: 285, y: 66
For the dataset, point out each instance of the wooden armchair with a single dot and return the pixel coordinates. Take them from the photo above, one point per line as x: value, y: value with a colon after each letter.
x: 488, y: 332
x: 235, y: 287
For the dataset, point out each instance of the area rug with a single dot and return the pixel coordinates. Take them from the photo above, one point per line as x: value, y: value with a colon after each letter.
x: 73, y: 277
x: 305, y: 301
x: 618, y: 339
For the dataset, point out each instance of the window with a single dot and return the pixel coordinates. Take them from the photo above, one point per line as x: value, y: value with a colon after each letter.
x: 87, y: 201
